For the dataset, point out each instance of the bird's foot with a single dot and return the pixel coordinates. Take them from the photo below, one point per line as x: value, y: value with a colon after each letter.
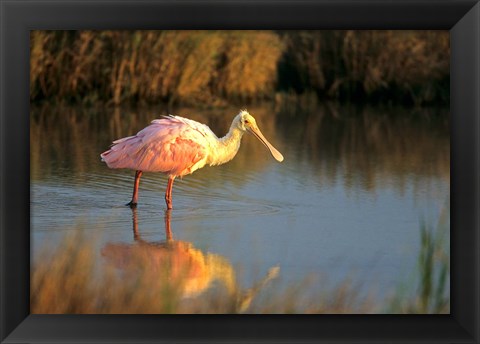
x: 131, y: 204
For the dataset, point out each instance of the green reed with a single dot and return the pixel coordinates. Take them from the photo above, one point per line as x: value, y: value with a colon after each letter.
x: 430, y: 294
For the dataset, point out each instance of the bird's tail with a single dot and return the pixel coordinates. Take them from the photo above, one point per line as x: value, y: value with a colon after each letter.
x: 118, y: 156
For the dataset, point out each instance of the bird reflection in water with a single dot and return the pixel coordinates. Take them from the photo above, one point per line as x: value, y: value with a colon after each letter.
x: 182, y: 265
x: 179, y: 262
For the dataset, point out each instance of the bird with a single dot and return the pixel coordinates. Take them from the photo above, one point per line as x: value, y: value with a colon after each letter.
x: 178, y: 146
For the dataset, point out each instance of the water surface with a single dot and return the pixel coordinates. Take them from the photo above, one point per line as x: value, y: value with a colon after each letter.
x: 347, y: 202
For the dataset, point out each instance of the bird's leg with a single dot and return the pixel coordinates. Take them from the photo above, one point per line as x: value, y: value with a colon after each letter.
x: 133, y: 202
x: 168, y: 231
x: 168, y: 193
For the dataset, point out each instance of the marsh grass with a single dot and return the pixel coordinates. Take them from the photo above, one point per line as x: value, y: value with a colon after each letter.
x: 194, y: 67
x: 431, y: 292
x: 384, y: 66
x: 72, y: 278
x: 68, y: 278
x: 214, y: 68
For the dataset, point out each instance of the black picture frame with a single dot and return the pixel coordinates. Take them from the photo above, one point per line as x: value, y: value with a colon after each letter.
x: 18, y: 17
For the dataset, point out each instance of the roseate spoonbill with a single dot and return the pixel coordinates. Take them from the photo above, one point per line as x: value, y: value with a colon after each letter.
x: 179, y: 146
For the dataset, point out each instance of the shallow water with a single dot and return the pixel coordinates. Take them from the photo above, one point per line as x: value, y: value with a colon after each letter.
x: 347, y: 202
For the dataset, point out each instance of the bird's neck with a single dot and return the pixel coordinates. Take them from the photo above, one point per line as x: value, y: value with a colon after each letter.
x: 227, y: 146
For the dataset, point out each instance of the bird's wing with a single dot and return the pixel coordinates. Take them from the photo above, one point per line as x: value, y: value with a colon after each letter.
x: 201, y: 128
x: 167, y: 145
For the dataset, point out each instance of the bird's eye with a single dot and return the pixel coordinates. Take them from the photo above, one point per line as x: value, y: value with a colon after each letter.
x: 246, y: 121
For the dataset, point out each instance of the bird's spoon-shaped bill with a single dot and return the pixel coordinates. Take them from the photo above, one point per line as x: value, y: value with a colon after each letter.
x: 258, y: 134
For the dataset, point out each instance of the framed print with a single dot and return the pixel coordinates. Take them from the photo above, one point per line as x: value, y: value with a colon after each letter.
x: 348, y: 210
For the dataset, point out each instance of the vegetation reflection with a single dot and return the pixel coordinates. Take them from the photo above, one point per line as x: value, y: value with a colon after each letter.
x: 361, y: 148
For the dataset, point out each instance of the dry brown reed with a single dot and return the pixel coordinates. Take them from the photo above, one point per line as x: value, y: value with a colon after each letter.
x: 153, y: 66
x: 70, y: 278
x: 384, y: 66
x: 216, y: 67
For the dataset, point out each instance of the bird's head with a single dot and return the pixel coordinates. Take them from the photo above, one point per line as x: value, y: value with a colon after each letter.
x: 246, y: 122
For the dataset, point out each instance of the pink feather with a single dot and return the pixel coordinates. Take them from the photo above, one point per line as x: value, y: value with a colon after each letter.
x: 170, y: 145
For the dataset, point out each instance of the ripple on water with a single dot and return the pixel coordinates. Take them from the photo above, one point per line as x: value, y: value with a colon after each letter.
x: 221, y: 206
x: 109, y: 180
